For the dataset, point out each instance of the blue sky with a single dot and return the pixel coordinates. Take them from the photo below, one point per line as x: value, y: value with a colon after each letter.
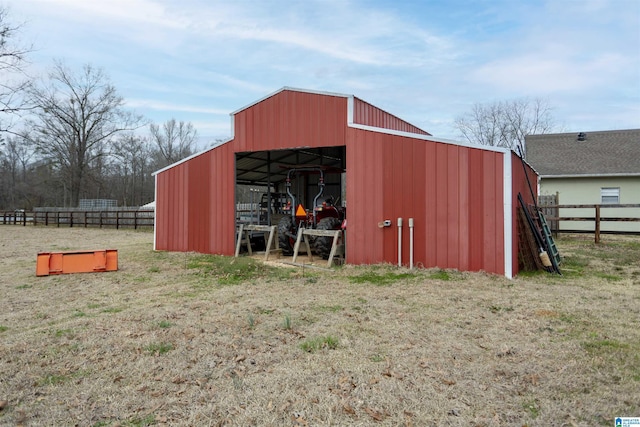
x: 424, y: 61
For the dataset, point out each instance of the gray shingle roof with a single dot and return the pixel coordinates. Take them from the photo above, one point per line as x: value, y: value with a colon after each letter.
x: 612, y: 152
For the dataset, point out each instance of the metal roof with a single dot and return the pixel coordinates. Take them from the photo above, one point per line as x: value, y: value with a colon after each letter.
x: 259, y: 167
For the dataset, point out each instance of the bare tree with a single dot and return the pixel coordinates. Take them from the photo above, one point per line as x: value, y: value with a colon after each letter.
x: 78, y: 116
x: 505, y: 123
x: 131, y: 170
x: 13, y: 80
x: 174, y: 141
x: 14, y: 158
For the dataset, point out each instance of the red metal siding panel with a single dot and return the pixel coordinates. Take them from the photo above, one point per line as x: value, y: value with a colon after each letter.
x: 364, y: 198
x: 160, y: 225
x: 430, y: 200
x: 199, y: 193
x: 228, y: 193
x: 170, y: 209
x: 291, y: 119
x: 403, y: 196
x: 488, y: 190
x: 453, y: 207
x: 369, y: 115
x: 391, y: 156
x: 519, y: 185
x: 440, y: 175
x: 477, y: 206
x: 453, y: 193
x: 464, y: 207
x: 195, y: 204
x: 419, y: 180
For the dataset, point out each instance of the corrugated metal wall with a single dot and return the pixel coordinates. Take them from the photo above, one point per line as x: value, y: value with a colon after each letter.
x: 454, y: 194
x: 195, y: 204
x: 369, y: 115
x: 519, y: 185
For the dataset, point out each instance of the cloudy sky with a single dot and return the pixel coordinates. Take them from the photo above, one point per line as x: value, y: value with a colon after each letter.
x: 425, y: 61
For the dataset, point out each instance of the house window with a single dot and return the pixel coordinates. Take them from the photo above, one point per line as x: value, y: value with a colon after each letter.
x: 610, y: 195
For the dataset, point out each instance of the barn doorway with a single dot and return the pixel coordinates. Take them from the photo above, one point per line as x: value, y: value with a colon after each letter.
x: 261, y: 181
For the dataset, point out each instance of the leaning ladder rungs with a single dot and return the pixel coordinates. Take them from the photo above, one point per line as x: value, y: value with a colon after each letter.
x: 549, y: 239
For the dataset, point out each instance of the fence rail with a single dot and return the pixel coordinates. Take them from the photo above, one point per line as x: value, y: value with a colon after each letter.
x: 552, y: 214
x: 87, y: 218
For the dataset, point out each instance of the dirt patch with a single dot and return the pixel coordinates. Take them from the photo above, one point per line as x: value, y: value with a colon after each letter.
x: 188, y: 339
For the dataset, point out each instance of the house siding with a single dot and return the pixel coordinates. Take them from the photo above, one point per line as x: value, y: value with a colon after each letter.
x: 582, y: 191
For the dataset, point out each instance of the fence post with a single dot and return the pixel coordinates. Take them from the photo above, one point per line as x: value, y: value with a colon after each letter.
x: 556, y: 223
x: 117, y: 220
x: 597, y: 223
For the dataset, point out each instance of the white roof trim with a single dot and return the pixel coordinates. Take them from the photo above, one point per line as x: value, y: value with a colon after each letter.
x: 428, y: 138
x: 507, y: 196
x: 592, y: 175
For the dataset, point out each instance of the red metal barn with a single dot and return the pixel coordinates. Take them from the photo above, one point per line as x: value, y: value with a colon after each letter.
x: 462, y: 198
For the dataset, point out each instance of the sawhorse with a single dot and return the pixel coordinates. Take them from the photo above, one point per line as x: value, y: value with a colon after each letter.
x: 244, y: 238
x: 337, y: 247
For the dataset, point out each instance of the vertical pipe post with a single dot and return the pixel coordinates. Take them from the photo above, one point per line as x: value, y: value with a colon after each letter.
x: 251, y: 206
x: 399, y: 242
x: 597, y: 224
x: 410, y: 243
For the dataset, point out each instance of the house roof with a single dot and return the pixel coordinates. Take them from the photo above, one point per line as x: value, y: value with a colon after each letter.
x: 601, y: 153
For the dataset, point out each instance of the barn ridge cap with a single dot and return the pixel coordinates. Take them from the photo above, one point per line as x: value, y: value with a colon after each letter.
x: 290, y: 89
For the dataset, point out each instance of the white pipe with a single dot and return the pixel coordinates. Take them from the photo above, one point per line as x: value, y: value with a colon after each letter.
x: 410, y: 243
x: 399, y: 242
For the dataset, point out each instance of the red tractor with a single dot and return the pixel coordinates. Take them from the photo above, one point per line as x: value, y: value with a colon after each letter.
x: 324, y: 216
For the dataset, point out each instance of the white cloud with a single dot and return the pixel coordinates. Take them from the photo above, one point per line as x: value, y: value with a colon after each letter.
x: 153, y: 104
x: 424, y: 61
x: 542, y: 74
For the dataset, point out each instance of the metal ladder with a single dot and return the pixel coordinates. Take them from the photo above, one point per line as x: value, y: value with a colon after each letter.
x: 551, y: 244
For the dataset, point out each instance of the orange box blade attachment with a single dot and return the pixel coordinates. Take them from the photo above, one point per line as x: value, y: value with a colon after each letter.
x: 76, y: 262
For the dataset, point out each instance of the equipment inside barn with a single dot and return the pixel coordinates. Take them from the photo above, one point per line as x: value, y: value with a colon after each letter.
x: 324, y: 215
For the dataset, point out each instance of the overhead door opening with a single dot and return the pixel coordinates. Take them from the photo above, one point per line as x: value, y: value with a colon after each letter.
x: 292, y: 189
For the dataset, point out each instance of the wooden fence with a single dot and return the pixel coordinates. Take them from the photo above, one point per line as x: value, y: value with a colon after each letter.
x: 552, y: 214
x: 75, y: 218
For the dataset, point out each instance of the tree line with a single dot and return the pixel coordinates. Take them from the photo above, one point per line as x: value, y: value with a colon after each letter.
x: 69, y: 136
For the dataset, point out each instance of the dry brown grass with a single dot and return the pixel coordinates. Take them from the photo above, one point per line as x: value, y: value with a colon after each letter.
x: 182, y: 339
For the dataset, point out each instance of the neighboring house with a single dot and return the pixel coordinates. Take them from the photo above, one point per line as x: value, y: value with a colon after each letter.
x: 590, y: 168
